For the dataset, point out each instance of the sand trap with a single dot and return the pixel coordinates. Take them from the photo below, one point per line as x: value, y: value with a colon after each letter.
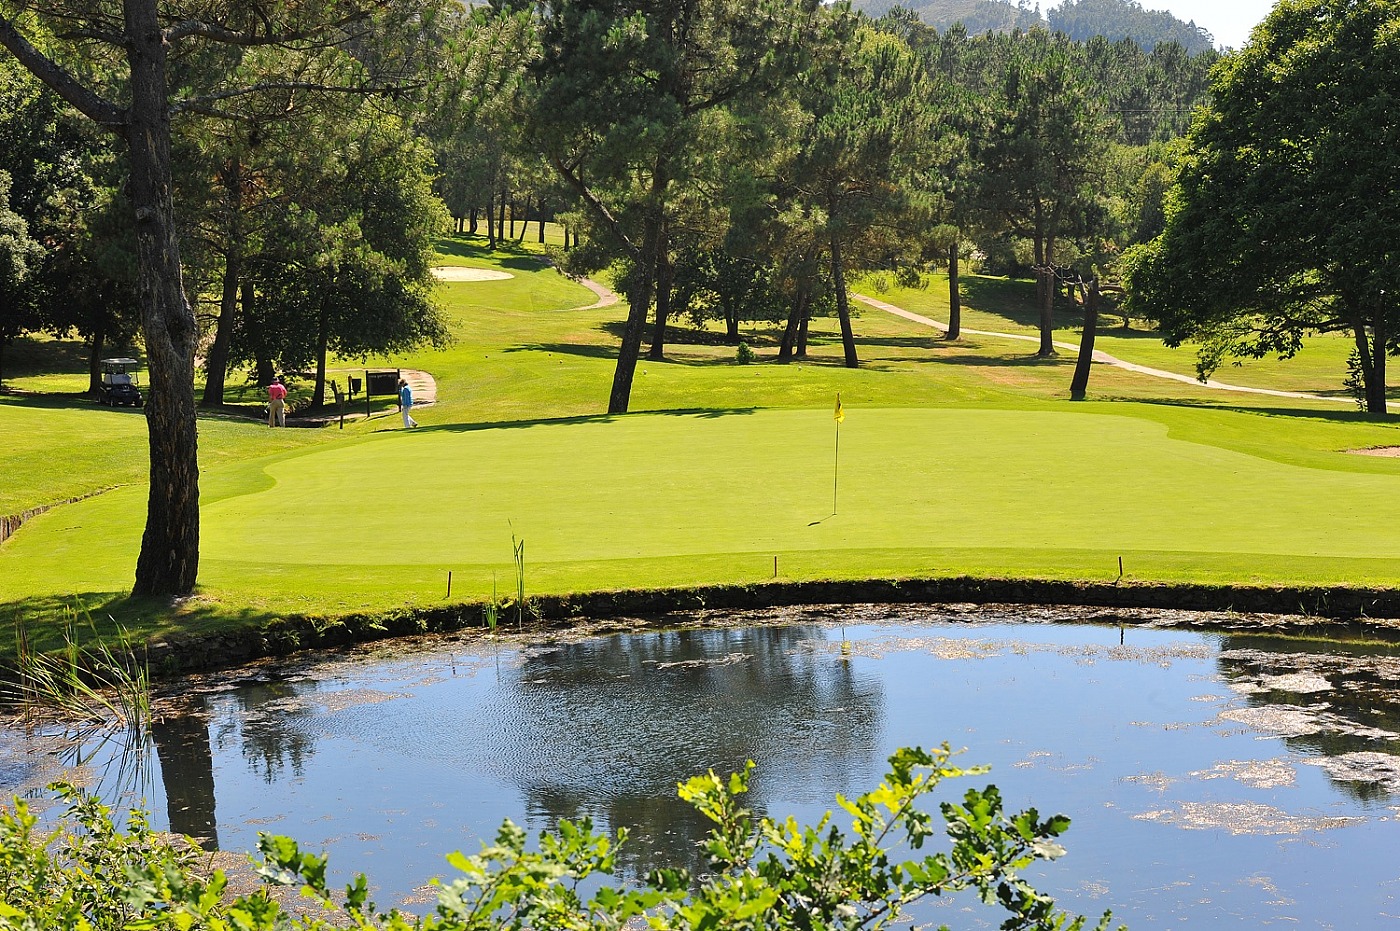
x: 461, y: 273
x: 1392, y: 452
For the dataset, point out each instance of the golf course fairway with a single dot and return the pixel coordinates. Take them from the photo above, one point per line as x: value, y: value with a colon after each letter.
x: 648, y: 500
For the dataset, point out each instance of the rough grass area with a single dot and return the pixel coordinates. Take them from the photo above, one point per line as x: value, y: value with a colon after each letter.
x: 955, y: 459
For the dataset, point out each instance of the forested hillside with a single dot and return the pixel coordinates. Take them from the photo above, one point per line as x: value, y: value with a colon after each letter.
x: 1078, y: 19
x: 1126, y: 19
x: 977, y: 15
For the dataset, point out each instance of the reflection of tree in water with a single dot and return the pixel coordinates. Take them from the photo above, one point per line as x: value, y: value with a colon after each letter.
x: 608, y: 727
x: 1358, y: 713
x: 187, y: 773
x: 266, y: 720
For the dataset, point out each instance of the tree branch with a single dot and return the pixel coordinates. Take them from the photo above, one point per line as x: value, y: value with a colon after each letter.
x: 98, y: 35
x: 188, y: 28
x: 597, y: 205
x: 90, y: 104
x: 205, y: 102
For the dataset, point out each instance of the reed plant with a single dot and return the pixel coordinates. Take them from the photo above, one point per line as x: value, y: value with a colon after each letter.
x: 493, y: 608
x: 519, y: 548
x: 101, y: 686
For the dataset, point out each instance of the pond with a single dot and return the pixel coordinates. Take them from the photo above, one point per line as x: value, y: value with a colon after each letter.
x: 1211, y: 777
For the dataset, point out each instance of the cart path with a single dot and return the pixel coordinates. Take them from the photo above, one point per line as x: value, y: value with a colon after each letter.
x: 1103, y: 357
x: 423, y: 385
x: 606, y: 297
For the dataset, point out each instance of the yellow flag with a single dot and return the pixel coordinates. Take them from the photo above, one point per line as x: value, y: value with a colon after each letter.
x: 840, y: 411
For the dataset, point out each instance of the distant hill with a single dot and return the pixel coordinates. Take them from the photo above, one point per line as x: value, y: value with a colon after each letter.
x: 1078, y: 19
x: 1119, y: 19
x: 977, y: 15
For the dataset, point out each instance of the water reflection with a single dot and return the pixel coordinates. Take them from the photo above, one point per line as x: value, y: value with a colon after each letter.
x: 1340, y: 709
x: 605, y: 727
x: 267, y: 719
x: 187, y: 772
x: 1209, y: 777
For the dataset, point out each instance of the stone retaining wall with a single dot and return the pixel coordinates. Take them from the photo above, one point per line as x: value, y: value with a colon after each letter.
x: 1349, y: 609
x: 10, y: 524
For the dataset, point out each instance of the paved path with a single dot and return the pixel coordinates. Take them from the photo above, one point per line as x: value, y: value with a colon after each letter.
x: 606, y: 298
x: 423, y: 385
x: 1103, y: 357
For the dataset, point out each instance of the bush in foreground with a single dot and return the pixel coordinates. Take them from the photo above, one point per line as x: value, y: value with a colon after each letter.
x: 764, y: 874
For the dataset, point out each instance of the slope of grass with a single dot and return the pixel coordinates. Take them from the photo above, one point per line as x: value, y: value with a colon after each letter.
x: 1006, y: 306
x: 955, y: 458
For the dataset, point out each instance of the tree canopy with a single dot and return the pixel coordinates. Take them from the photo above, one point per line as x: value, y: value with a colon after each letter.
x: 1283, y: 218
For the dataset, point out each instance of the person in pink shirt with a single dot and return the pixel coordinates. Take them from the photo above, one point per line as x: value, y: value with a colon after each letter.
x: 277, y: 403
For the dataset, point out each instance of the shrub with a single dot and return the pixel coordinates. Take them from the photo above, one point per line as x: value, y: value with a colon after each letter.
x: 745, y: 354
x: 763, y: 874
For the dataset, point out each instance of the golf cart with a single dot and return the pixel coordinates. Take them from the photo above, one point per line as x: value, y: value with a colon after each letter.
x: 119, y: 383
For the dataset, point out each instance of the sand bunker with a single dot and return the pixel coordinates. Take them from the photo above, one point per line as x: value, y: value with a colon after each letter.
x: 461, y: 273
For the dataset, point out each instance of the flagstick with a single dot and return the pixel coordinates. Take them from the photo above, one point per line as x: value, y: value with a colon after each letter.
x: 836, y: 468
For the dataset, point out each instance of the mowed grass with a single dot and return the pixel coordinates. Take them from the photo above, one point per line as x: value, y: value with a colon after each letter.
x: 955, y: 458
x: 684, y: 499
x: 1007, y: 306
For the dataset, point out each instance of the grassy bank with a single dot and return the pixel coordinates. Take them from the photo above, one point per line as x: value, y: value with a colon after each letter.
x: 955, y: 459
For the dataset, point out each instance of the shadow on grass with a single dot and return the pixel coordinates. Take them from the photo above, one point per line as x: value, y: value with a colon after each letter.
x: 49, y: 621
x: 27, y: 357
x: 475, y: 247
x: 60, y: 400
x: 1014, y: 300
x: 587, y: 351
x: 1292, y: 413
x: 1118, y: 332
x: 702, y: 413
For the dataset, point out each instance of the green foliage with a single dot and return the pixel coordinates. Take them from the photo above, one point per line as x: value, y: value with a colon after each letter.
x: 744, y: 355
x: 88, y: 875
x: 91, y: 687
x: 1126, y: 19
x: 1280, y: 222
x: 765, y: 875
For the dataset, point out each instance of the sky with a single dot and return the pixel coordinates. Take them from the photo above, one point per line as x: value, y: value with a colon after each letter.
x: 1228, y: 20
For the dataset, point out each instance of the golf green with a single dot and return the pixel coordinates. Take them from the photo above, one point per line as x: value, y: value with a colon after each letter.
x: 676, y: 499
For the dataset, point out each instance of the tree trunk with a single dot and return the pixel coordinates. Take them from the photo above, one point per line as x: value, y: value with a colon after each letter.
x: 501, y: 220
x: 491, y: 222
x: 169, y: 561
x: 99, y: 340
x: 263, y: 368
x: 663, y: 298
x: 263, y: 371
x: 1377, y: 402
x: 794, y: 320
x: 731, y: 323
x: 954, y: 295
x: 640, y: 299
x: 323, y: 338
x: 1079, y: 386
x: 216, y: 361
x: 843, y: 307
x: 1372, y: 355
x: 473, y: 224
x: 1047, y: 303
x: 802, y: 328
x: 541, y: 219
